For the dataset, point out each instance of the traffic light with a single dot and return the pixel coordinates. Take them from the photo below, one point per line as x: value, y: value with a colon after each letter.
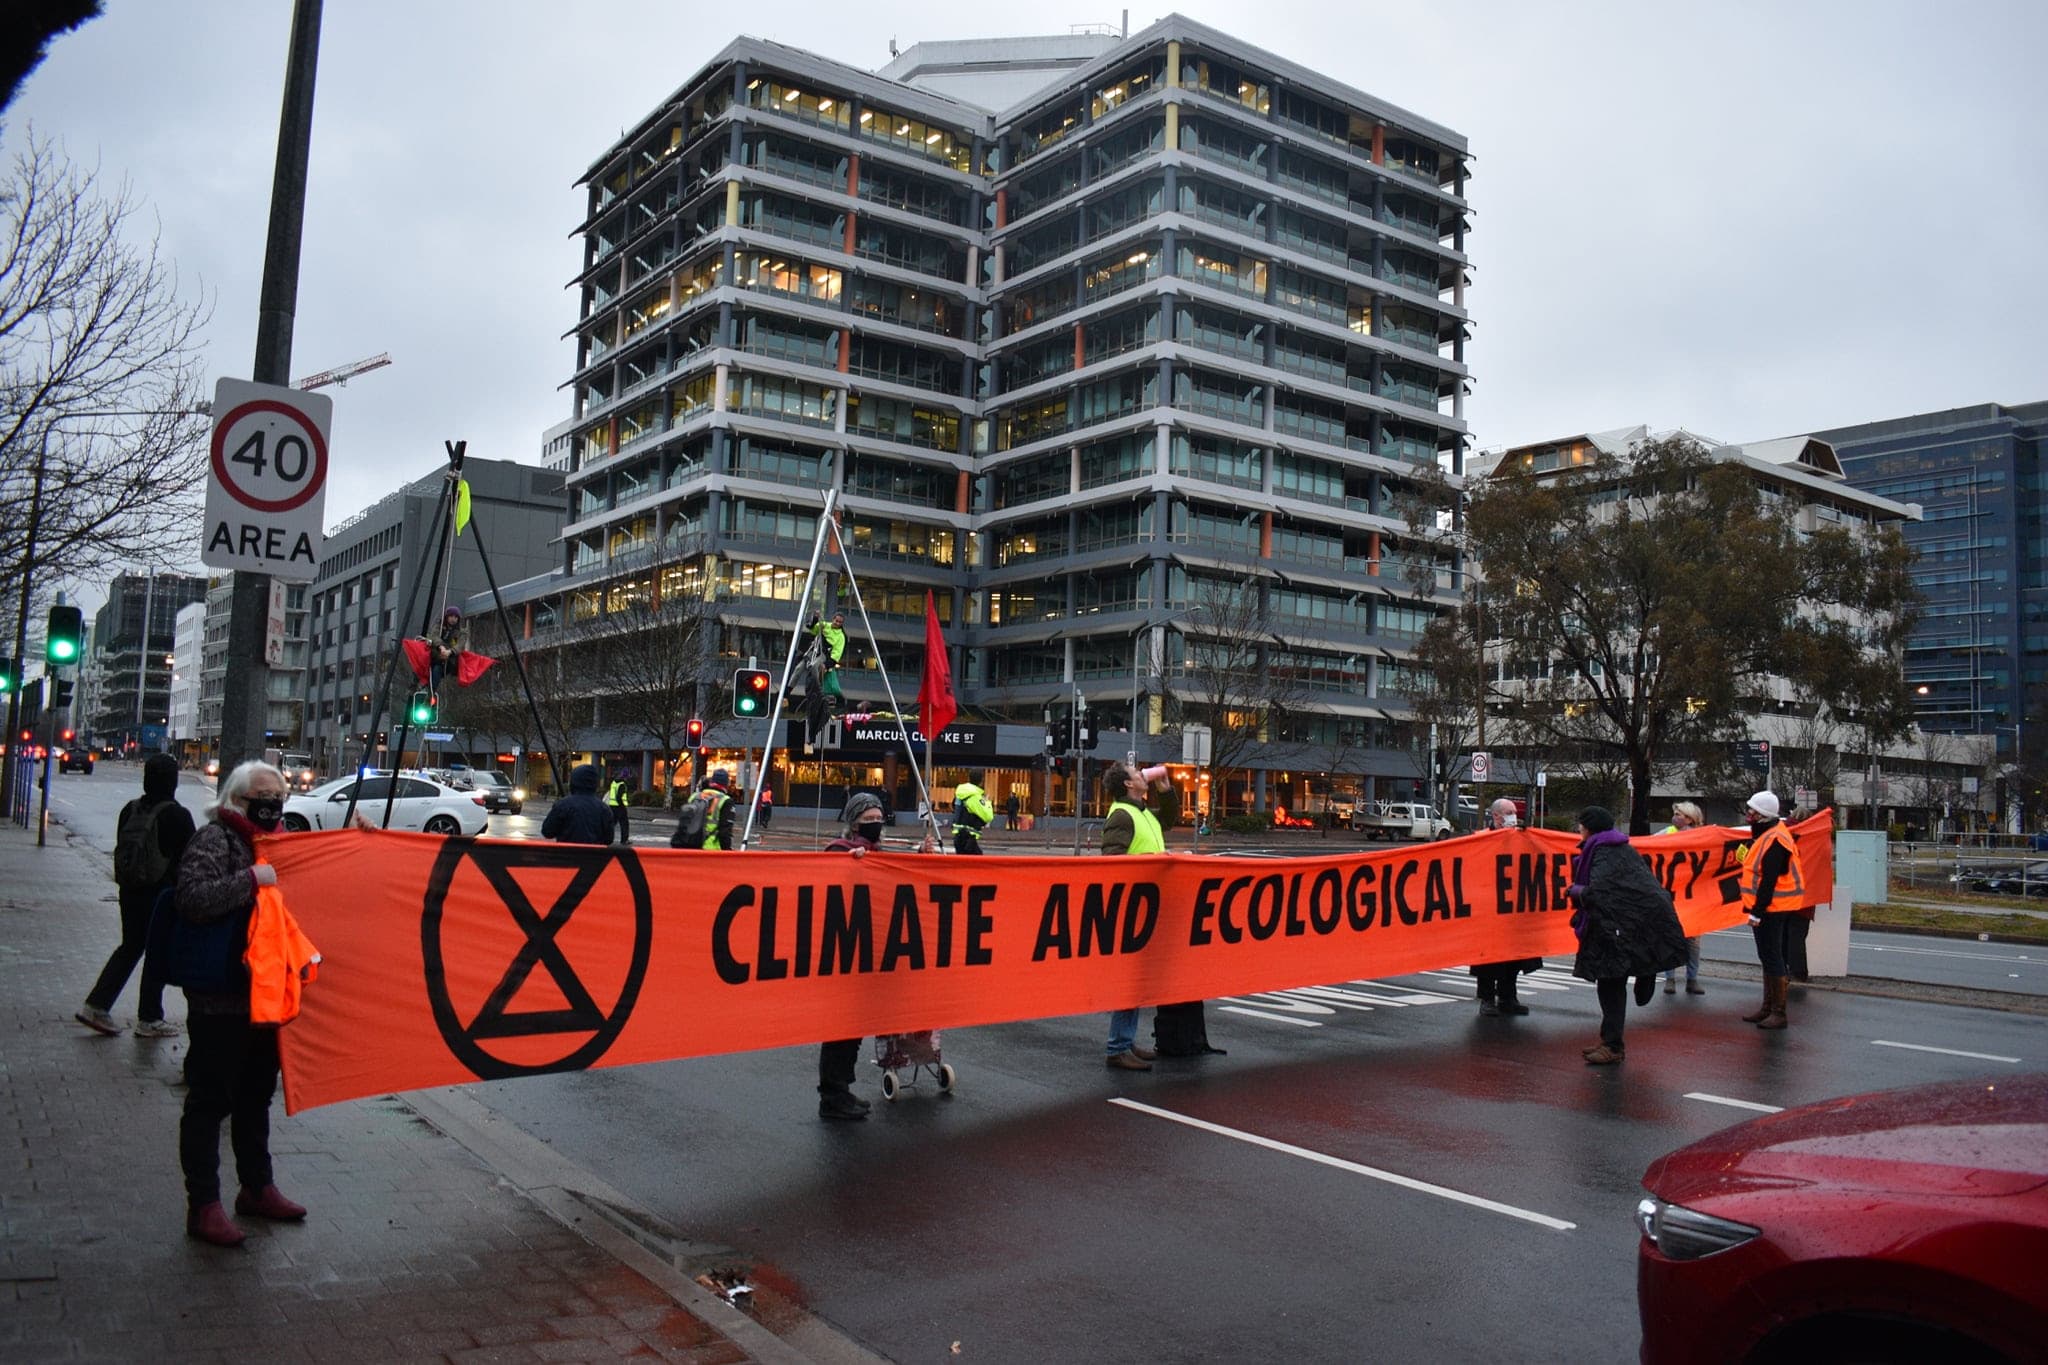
x: 10, y: 676
x: 750, y: 688
x: 422, y: 708
x: 60, y: 693
x: 693, y: 732
x: 1062, y: 736
x: 64, y: 639
x: 69, y: 735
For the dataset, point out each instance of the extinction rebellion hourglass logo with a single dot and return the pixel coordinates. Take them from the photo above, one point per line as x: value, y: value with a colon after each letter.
x: 518, y: 990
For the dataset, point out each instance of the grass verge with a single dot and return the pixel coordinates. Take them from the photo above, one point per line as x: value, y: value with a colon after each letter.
x: 1959, y: 923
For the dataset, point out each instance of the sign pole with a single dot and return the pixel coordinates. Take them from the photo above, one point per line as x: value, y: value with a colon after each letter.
x: 245, y: 690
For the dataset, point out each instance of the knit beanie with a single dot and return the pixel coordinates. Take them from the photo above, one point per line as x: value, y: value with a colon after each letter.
x: 1596, y: 819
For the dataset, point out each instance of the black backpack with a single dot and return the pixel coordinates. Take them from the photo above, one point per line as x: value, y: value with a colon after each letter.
x: 139, y: 860
x: 693, y: 821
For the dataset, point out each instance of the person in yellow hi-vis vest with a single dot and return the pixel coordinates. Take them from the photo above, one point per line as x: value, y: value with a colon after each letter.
x: 1773, y: 891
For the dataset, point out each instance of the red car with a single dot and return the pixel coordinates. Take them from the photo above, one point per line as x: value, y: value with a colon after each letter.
x: 1903, y: 1225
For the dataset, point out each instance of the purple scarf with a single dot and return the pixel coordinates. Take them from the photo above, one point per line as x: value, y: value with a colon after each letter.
x: 1582, y: 867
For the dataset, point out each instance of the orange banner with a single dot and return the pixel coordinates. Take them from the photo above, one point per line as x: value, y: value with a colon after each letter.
x: 453, y: 960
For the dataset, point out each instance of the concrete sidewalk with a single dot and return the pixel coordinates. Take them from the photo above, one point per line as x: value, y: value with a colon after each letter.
x: 414, y: 1249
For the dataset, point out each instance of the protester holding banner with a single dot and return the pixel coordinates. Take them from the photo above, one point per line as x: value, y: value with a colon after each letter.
x: 1684, y: 816
x: 232, y: 1069
x: 1497, y: 994
x: 836, y: 1100
x: 1132, y: 829
x: 1626, y: 923
x: 1773, y: 891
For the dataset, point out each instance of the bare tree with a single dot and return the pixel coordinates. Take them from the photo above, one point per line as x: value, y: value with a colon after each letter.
x: 1238, y: 678
x: 656, y: 662
x: 102, y: 444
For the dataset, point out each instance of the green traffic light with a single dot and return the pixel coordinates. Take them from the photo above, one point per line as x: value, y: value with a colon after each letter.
x: 63, y: 651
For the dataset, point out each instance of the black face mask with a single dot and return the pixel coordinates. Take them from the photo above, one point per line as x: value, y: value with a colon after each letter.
x: 265, y: 811
x: 872, y: 832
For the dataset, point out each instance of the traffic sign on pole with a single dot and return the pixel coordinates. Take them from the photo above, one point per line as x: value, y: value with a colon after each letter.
x: 266, y: 486
x: 1482, y: 765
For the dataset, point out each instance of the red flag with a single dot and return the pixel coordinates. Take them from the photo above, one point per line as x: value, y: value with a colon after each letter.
x: 936, y: 706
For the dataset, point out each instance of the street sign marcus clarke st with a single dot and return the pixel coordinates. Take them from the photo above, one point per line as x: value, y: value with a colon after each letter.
x: 266, y: 486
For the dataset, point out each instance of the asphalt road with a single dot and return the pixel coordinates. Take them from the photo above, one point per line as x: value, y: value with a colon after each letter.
x: 1915, y: 957
x: 1373, y: 1172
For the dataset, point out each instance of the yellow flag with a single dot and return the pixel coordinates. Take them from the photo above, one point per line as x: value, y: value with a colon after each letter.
x: 461, y: 505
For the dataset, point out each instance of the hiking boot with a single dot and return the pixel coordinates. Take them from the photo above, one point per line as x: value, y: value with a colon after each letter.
x: 1602, y: 1055
x: 268, y: 1202
x: 1126, y: 1061
x: 1143, y: 1054
x: 210, y: 1223
x: 156, y: 1028
x: 841, y: 1104
x: 1774, y: 988
x: 1695, y: 988
x: 1670, y: 986
x: 98, y: 1020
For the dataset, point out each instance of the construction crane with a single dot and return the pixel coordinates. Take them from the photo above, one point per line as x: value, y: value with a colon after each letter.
x: 341, y: 374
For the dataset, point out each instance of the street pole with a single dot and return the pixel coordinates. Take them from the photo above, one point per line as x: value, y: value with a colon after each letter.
x: 245, y: 691
x: 28, y: 569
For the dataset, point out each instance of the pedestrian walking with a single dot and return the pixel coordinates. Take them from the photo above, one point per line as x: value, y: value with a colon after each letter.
x: 1011, y: 807
x: 620, y: 799
x: 767, y: 805
x: 1684, y: 816
x: 972, y: 813
x: 1626, y: 923
x: 231, y: 1070
x: 149, y: 838
x: 1773, y: 891
x: 1497, y: 991
x: 580, y: 817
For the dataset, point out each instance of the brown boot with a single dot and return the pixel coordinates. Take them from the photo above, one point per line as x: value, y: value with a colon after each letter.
x: 1761, y: 1012
x: 1775, y: 1019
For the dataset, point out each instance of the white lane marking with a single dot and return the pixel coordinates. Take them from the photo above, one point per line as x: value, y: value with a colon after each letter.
x: 1276, y: 1018
x: 1373, y: 1172
x: 1944, y: 1051
x: 1936, y: 952
x: 1736, y: 1104
x: 1330, y: 995
x: 1412, y: 990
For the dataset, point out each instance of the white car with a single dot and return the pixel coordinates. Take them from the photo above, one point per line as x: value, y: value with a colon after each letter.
x: 422, y: 804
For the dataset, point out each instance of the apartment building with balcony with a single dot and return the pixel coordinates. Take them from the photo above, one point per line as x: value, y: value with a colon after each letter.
x: 1181, y: 312
x: 132, y: 639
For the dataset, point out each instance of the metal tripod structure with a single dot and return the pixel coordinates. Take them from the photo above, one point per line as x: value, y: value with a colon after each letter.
x: 828, y: 531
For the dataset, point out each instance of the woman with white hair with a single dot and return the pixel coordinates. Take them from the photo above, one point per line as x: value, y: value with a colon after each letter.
x: 231, y: 1071
x: 1684, y: 816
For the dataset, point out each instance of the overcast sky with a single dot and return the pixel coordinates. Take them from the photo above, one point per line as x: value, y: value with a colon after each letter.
x: 1747, y: 219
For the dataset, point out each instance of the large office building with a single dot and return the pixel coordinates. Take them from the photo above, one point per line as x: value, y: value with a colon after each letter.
x: 374, y: 587
x: 132, y: 639
x: 1980, y: 649
x: 1076, y: 328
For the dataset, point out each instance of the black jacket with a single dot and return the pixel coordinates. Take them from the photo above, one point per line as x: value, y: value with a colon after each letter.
x: 174, y: 825
x: 1629, y: 927
x: 581, y: 817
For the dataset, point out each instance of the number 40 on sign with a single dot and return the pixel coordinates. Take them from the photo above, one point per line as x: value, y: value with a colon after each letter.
x: 266, y: 487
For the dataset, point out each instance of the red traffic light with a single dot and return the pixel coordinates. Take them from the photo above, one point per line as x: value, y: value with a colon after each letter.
x: 694, y: 730
x: 70, y: 735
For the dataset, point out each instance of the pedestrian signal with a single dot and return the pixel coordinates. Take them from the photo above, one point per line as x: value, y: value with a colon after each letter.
x: 65, y: 636
x: 750, y: 689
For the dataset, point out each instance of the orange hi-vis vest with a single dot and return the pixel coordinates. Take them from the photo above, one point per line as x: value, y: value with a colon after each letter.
x: 280, y: 958
x: 1790, y: 892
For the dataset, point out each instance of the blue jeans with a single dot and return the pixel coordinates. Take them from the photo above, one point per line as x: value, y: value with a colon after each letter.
x: 1123, y: 1031
x: 1692, y: 963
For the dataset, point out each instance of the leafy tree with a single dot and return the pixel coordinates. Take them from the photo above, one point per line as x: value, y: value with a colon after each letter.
x: 1648, y: 602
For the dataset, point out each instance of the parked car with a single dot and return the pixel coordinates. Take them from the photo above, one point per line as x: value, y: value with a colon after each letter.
x: 1402, y: 820
x: 76, y: 759
x: 421, y: 803
x: 1901, y: 1225
x: 2029, y: 879
x: 498, y: 791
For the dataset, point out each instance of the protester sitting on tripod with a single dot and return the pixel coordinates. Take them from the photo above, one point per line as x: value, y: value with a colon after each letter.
x: 832, y: 637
